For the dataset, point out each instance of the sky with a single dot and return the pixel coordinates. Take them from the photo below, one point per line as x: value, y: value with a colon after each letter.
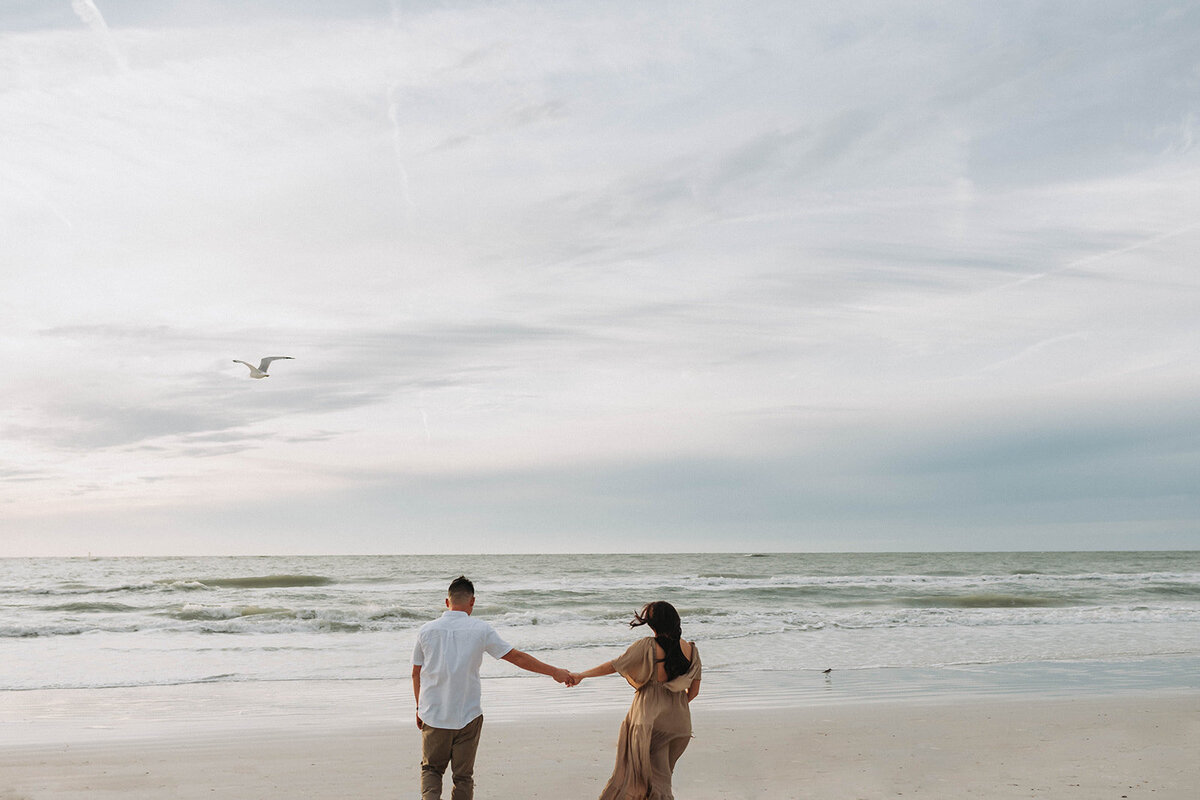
x: 598, y: 276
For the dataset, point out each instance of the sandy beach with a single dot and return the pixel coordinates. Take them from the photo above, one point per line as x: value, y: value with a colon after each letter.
x: 1131, y: 745
x: 1004, y: 675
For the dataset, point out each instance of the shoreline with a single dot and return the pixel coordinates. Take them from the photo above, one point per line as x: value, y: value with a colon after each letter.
x: 89, y: 715
x: 1133, y: 744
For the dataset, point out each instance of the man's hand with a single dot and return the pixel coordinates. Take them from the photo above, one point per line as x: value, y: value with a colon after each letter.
x: 420, y: 723
x: 563, y: 676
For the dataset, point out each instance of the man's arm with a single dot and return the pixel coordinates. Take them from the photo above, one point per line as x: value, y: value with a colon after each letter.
x: 417, y: 694
x: 527, y: 662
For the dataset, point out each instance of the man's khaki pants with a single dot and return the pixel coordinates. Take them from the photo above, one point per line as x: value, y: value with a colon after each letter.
x: 441, y: 746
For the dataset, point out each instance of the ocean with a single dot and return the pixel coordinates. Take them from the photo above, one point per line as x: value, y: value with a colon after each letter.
x: 760, y: 619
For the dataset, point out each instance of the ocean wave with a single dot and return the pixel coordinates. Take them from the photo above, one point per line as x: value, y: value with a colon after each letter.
x: 732, y: 581
x: 231, y: 619
x: 280, y: 581
x: 284, y: 625
x: 44, y: 631
x: 84, y: 607
x: 998, y: 617
x: 553, y: 623
x: 176, y: 585
x: 987, y: 600
x: 201, y: 612
x: 1174, y: 589
x: 405, y: 614
x: 266, y: 582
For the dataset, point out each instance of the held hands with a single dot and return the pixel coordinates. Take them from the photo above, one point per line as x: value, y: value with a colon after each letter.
x: 564, y: 676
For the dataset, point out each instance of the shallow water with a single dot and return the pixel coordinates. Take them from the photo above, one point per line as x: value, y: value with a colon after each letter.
x: 209, y: 710
x: 91, y: 623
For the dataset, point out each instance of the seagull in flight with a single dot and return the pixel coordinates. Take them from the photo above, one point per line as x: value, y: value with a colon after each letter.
x: 261, y: 370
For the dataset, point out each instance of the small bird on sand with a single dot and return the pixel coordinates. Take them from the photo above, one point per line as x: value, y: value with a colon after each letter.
x: 261, y: 370
x: 827, y: 671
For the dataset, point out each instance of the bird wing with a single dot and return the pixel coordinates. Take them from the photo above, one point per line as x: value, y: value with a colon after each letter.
x: 239, y: 361
x: 266, y: 362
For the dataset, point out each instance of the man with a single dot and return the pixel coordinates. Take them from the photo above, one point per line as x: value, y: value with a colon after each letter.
x: 446, y: 686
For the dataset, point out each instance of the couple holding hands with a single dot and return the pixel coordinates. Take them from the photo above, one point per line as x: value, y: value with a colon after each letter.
x: 663, y: 669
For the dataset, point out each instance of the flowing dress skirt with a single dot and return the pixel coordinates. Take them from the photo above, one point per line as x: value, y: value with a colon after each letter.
x: 653, y: 736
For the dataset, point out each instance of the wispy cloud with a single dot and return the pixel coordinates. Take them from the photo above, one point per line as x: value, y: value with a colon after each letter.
x: 679, y: 268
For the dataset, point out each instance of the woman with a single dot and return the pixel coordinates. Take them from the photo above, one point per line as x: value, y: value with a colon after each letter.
x: 665, y: 671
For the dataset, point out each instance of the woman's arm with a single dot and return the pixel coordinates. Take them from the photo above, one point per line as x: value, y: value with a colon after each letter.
x: 606, y: 668
x: 693, y: 690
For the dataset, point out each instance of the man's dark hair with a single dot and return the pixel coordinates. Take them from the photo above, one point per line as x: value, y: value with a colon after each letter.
x: 461, y: 589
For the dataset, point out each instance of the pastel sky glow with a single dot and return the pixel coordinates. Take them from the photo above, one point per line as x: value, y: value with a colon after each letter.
x: 583, y: 276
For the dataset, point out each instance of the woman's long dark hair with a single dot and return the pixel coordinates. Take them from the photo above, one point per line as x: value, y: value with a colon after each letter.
x: 663, y: 619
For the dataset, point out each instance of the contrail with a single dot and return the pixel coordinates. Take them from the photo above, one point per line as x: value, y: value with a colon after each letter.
x: 393, y: 112
x: 90, y: 15
x: 63, y: 218
x: 398, y: 149
x: 1030, y: 350
x: 1080, y: 262
x: 1135, y: 246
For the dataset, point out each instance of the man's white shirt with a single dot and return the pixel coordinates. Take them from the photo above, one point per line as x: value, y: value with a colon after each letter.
x: 449, y: 651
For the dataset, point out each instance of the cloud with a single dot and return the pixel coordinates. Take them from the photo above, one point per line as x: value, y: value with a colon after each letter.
x: 678, y: 268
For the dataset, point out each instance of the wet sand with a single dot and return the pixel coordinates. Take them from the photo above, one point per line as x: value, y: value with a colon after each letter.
x: 1131, y: 745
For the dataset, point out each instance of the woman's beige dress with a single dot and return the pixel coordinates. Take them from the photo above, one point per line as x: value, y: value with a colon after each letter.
x: 656, y: 730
